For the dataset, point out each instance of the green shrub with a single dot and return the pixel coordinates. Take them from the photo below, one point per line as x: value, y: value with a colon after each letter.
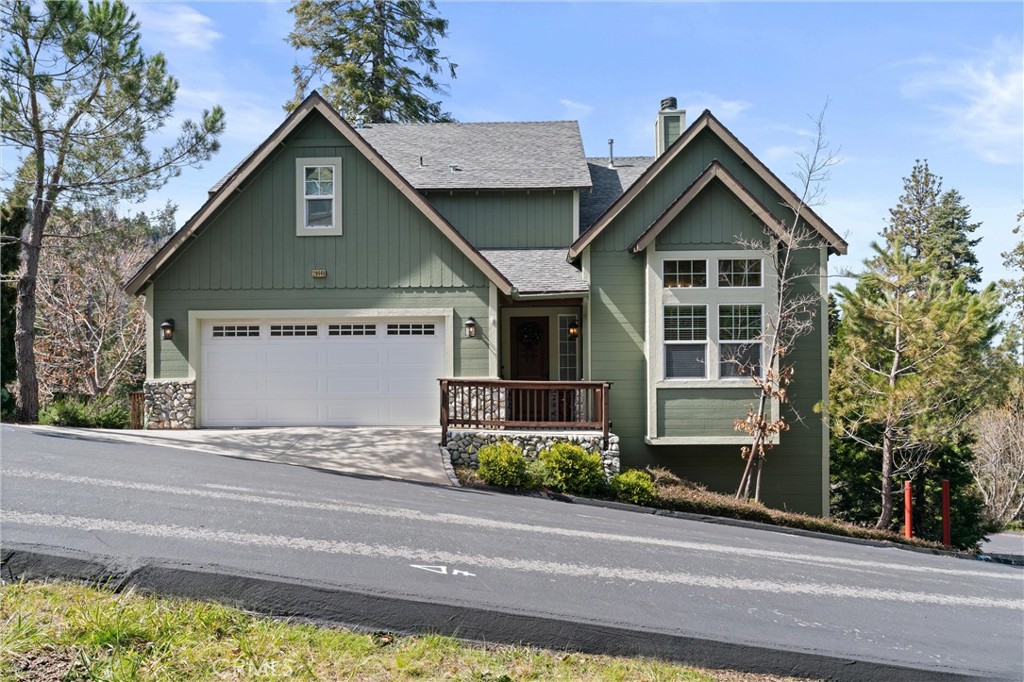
x: 503, y: 464
x: 8, y: 406
x: 102, y: 413
x: 568, y: 468
x: 633, y: 486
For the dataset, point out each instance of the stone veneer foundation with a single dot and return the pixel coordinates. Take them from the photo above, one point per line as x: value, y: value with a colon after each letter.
x: 170, y: 404
x: 462, y: 446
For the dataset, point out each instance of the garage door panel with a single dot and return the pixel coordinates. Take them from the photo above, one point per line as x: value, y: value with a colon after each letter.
x: 369, y: 387
x: 355, y: 413
x: 289, y: 412
x: 293, y: 385
x: 234, y: 359
x: 231, y: 413
x: 360, y: 354
x: 344, y: 380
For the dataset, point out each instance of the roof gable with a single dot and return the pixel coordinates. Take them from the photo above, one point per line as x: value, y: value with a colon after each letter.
x: 714, y: 171
x: 314, y: 102
x: 706, y: 121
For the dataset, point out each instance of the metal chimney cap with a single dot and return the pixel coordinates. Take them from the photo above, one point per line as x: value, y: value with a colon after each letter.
x: 668, y: 103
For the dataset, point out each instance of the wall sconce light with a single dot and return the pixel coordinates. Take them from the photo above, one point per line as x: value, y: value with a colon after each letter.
x: 167, y: 328
x: 470, y: 328
x: 574, y: 329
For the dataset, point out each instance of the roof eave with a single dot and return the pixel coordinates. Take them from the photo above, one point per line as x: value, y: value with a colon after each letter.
x: 313, y: 102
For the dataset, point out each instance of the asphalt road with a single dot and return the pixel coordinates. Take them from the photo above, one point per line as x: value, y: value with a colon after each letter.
x: 404, y: 556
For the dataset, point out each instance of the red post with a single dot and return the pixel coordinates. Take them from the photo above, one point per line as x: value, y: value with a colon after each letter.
x: 946, y: 535
x: 908, y: 520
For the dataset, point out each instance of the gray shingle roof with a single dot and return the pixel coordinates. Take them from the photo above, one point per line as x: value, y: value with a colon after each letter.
x: 608, y: 185
x: 537, y: 271
x: 541, y: 155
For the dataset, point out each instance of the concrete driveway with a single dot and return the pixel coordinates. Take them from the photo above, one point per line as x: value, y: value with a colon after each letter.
x: 410, y: 453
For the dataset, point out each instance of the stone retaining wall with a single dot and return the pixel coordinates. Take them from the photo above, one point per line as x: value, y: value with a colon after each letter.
x: 462, y: 446
x: 170, y: 404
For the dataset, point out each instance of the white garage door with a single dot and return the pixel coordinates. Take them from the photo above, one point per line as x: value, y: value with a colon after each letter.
x: 302, y: 373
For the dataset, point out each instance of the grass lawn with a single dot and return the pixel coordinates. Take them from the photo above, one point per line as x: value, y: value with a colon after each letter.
x: 61, y: 631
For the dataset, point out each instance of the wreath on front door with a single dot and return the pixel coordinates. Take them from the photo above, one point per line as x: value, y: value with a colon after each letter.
x: 530, y: 334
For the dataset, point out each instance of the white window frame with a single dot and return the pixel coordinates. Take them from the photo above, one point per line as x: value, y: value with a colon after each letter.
x: 302, y: 229
x: 713, y: 296
x: 706, y: 343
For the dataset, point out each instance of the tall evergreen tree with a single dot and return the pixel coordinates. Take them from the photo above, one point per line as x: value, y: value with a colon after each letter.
x: 374, y: 59
x: 907, y: 371
x: 936, y: 225
x: 78, y: 101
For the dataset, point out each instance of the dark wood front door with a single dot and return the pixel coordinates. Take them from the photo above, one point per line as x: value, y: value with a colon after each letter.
x: 529, y: 348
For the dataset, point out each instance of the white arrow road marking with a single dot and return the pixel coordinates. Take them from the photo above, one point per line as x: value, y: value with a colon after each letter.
x: 443, y: 570
x: 590, y: 572
x: 456, y: 519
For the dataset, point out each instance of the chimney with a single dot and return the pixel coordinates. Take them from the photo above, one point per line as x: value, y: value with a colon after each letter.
x: 611, y: 153
x: 668, y: 126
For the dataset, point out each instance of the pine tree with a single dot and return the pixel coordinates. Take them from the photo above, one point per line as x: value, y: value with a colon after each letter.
x: 376, y: 59
x: 78, y: 101
x: 936, y: 225
x: 907, y: 371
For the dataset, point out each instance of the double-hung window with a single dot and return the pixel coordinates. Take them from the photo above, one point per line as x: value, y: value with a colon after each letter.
x: 711, y: 307
x: 318, y: 196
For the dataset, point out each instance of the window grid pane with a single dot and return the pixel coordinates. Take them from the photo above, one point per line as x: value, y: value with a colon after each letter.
x: 739, y: 322
x: 686, y: 323
x: 568, y: 352
x: 685, y: 273
x: 739, y: 272
x: 293, y: 330
x: 414, y: 329
x: 351, y: 330
x: 236, y: 330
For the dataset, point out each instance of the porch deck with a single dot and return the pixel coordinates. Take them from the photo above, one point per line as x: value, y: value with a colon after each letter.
x: 492, y: 404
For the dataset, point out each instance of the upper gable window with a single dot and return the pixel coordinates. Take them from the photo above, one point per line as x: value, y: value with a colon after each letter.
x: 739, y: 272
x: 685, y: 273
x: 318, y: 196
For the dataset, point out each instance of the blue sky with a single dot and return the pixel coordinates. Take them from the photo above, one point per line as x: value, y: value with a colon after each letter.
x: 936, y: 81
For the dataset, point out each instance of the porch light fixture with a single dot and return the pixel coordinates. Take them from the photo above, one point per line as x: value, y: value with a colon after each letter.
x: 167, y: 328
x: 470, y: 328
x: 574, y: 329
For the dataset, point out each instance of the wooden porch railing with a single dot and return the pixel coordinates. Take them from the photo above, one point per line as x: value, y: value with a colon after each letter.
x: 529, y: 405
x: 137, y: 405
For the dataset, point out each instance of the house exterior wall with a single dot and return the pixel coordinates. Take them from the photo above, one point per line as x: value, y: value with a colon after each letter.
x: 248, y: 257
x: 797, y: 469
x: 510, y: 219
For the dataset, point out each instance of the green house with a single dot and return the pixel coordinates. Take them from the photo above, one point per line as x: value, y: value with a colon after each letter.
x: 488, y: 277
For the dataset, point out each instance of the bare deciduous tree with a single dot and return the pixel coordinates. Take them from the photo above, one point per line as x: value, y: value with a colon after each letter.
x: 90, y: 334
x: 792, y: 313
x: 998, y: 464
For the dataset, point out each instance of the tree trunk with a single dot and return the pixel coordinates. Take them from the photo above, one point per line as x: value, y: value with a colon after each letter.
x: 25, y: 321
x: 886, y: 516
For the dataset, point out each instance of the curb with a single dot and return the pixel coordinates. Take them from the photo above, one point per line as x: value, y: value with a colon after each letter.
x: 334, y: 604
x: 1006, y: 559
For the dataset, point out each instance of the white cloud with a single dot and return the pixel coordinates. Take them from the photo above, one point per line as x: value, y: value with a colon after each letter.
x: 576, y: 109
x: 697, y: 101
x: 980, y: 100
x: 177, y: 26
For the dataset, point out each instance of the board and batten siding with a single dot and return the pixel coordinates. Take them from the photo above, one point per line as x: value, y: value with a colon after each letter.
x: 510, y: 219
x: 796, y: 473
x: 248, y: 256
